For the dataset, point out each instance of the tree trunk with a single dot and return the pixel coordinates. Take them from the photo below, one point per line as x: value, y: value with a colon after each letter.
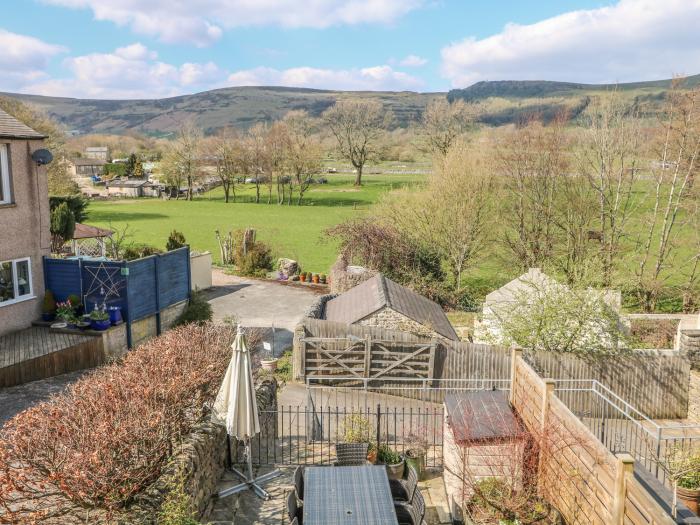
x: 358, y: 176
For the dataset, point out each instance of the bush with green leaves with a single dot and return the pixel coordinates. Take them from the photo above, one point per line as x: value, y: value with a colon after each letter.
x: 175, y: 240
x: 177, y: 509
x: 138, y: 251
x: 254, y: 258
x: 62, y: 226
x: 356, y: 428
x: 198, y: 311
x: 387, y: 455
x: 76, y: 203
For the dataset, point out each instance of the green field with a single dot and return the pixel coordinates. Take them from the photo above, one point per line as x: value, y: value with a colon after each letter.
x: 292, y: 231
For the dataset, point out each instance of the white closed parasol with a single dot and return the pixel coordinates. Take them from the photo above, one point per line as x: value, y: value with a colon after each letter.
x: 236, y: 407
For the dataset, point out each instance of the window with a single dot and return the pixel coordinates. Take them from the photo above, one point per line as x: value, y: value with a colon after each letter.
x: 5, y: 196
x: 15, y: 281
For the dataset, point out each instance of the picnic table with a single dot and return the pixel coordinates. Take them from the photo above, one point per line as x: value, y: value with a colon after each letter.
x: 348, y: 496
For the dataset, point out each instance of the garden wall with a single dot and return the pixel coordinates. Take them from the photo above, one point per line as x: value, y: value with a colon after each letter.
x: 689, y: 345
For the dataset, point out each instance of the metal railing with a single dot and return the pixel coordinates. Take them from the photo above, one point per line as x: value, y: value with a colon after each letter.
x: 623, y: 428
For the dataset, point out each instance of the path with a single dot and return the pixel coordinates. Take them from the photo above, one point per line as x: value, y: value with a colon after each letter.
x: 260, y: 303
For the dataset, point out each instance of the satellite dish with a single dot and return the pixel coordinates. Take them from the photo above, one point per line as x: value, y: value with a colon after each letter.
x: 42, y: 156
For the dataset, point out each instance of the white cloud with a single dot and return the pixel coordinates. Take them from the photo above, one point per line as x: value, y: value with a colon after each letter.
x: 202, y: 22
x: 382, y: 78
x: 23, y: 59
x: 133, y: 71
x: 631, y: 40
x: 413, y: 61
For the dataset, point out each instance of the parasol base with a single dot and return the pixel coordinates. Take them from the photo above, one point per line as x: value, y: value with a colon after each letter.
x: 250, y: 483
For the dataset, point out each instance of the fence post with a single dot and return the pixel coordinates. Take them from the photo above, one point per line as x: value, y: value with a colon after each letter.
x: 368, y: 354
x: 625, y: 467
x: 515, y: 353
x: 379, y: 426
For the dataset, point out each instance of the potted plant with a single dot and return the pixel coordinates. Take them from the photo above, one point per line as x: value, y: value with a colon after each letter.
x: 355, y: 438
x: 416, y: 452
x: 65, y: 311
x: 393, y: 461
x: 322, y: 278
x: 302, y: 277
x: 688, y: 485
x: 76, y: 303
x: 48, y: 309
x: 682, y: 466
x: 372, y: 453
x: 99, y: 320
x: 314, y: 278
x: 115, y: 315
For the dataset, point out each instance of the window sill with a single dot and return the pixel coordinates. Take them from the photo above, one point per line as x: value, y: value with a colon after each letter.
x: 7, y: 205
x: 17, y: 301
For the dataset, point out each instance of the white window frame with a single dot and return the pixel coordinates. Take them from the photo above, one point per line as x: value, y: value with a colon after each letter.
x: 19, y: 298
x: 5, y: 176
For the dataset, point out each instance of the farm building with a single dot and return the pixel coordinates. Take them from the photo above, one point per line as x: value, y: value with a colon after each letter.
x: 132, y: 188
x: 379, y: 301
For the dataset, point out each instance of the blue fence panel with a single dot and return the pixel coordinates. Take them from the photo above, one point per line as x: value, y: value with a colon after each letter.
x: 174, y: 277
x: 143, y: 300
x: 62, y: 277
x: 104, y: 283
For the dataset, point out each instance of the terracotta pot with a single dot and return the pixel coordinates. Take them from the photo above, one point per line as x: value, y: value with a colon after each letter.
x: 315, y: 279
x: 302, y: 278
x: 269, y: 364
x: 372, y: 456
x: 690, y: 498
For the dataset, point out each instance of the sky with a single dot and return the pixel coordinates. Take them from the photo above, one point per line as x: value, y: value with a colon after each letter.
x: 129, y: 49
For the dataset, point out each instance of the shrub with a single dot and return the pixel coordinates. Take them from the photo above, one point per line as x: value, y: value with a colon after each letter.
x: 107, y: 436
x: 62, y: 226
x: 198, y: 311
x: 177, y: 508
x: 49, y: 305
x: 356, y: 428
x: 388, y: 456
x: 175, y: 241
x: 257, y: 259
x: 138, y: 251
x: 76, y: 203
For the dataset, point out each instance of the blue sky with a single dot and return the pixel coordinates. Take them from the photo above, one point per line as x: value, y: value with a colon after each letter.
x: 156, y: 48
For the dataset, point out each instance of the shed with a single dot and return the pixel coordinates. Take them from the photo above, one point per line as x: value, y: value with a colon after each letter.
x: 482, y: 438
x: 379, y: 301
x: 89, y: 240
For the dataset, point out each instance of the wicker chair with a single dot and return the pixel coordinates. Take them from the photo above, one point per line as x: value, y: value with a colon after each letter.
x: 293, y: 511
x: 299, y: 483
x: 403, y: 489
x: 294, y: 522
x: 412, y: 514
x: 351, y: 454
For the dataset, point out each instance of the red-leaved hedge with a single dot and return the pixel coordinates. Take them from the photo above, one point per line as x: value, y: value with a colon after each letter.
x: 109, y: 434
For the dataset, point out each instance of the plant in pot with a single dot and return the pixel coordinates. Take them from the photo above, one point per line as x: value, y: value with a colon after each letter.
x: 48, y: 308
x: 65, y: 311
x: 355, y: 439
x: 682, y: 465
x: 302, y: 277
x: 322, y: 278
x: 393, y: 461
x: 99, y: 320
x: 76, y: 303
x: 314, y: 278
x: 416, y: 451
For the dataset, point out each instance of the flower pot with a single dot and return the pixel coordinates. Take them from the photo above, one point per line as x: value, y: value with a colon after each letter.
x: 315, y: 279
x: 115, y: 315
x: 302, y: 278
x: 48, y: 316
x: 690, y: 498
x: 372, y: 456
x: 269, y: 364
x: 395, y: 471
x: 417, y: 461
x: 100, y: 325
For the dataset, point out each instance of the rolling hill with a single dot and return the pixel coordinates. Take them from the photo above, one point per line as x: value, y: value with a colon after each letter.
x: 503, y: 102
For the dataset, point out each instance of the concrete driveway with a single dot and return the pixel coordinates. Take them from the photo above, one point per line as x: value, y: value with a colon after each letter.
x: 261, y: 303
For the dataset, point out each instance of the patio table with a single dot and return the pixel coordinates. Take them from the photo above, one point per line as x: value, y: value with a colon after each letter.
x: 348, y: 496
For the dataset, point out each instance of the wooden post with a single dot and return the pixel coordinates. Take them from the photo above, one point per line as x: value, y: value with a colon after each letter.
x: 368, y: 354
x: 625, y: 467
x: 515, y: 353
x: 431, y: 360
x: 549, y: 385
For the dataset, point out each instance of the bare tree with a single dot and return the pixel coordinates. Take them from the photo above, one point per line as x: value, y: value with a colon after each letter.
x: 256, y: 151
x: 609, y: 159
x: 672, y: 171
x: 357, y: 126
x: 227, y: 150
x: 303, y: 155
x: 532, y: 162
x: 184, y: 154
x: 444, y: 122
x: 276, y: 147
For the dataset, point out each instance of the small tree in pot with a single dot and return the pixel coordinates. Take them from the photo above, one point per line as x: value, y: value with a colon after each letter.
x: 355, y: 439
x: 416, y: 451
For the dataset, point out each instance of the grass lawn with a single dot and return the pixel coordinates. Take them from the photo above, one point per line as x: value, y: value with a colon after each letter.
x: 292, y: 231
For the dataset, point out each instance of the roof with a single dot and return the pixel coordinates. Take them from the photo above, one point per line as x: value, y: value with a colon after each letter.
x: 380, y: 292
x: 12, y: 128
x: 134, y: 183
x: 87, y: 161
x: 533, y: 278
x: 484, y: 416
x: 85, y: 231
x: 97, y: 148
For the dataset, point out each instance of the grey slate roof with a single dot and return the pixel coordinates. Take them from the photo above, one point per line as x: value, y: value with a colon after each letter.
x: 379, y: 292
x: 12, y: 128
x: 481, y: 417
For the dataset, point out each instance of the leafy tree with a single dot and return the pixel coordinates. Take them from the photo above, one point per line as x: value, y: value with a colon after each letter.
x: 175, y: 240
x: 62, y: 226
x: 77, y: 203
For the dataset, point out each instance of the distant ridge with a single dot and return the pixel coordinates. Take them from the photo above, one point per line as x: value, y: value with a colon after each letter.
x: 242, y: 107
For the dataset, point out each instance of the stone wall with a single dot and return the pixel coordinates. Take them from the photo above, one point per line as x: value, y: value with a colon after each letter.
x: 689, y: 345
x: 342, y: 279
x: 317, y: 309
x: 146, y: 328
x: 393, y: 320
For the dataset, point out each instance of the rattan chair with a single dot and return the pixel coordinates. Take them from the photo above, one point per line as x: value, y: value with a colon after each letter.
x: 299, y: 483
x: 351, y: 454
x: 412, y: 514
x: 403, y: 489
x: 293, y: 511
x: 294, y: 522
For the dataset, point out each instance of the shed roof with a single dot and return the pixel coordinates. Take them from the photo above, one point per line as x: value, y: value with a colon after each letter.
x: 85, y: 231
x: 481, y: 417
x: 87, y: 161
x: 12, y: 128
x: 379, y: 292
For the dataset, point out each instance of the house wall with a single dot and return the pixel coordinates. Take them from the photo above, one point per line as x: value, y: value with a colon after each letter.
x: 388, y: 318
x: 200, y: 269
x: 24, y: 230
